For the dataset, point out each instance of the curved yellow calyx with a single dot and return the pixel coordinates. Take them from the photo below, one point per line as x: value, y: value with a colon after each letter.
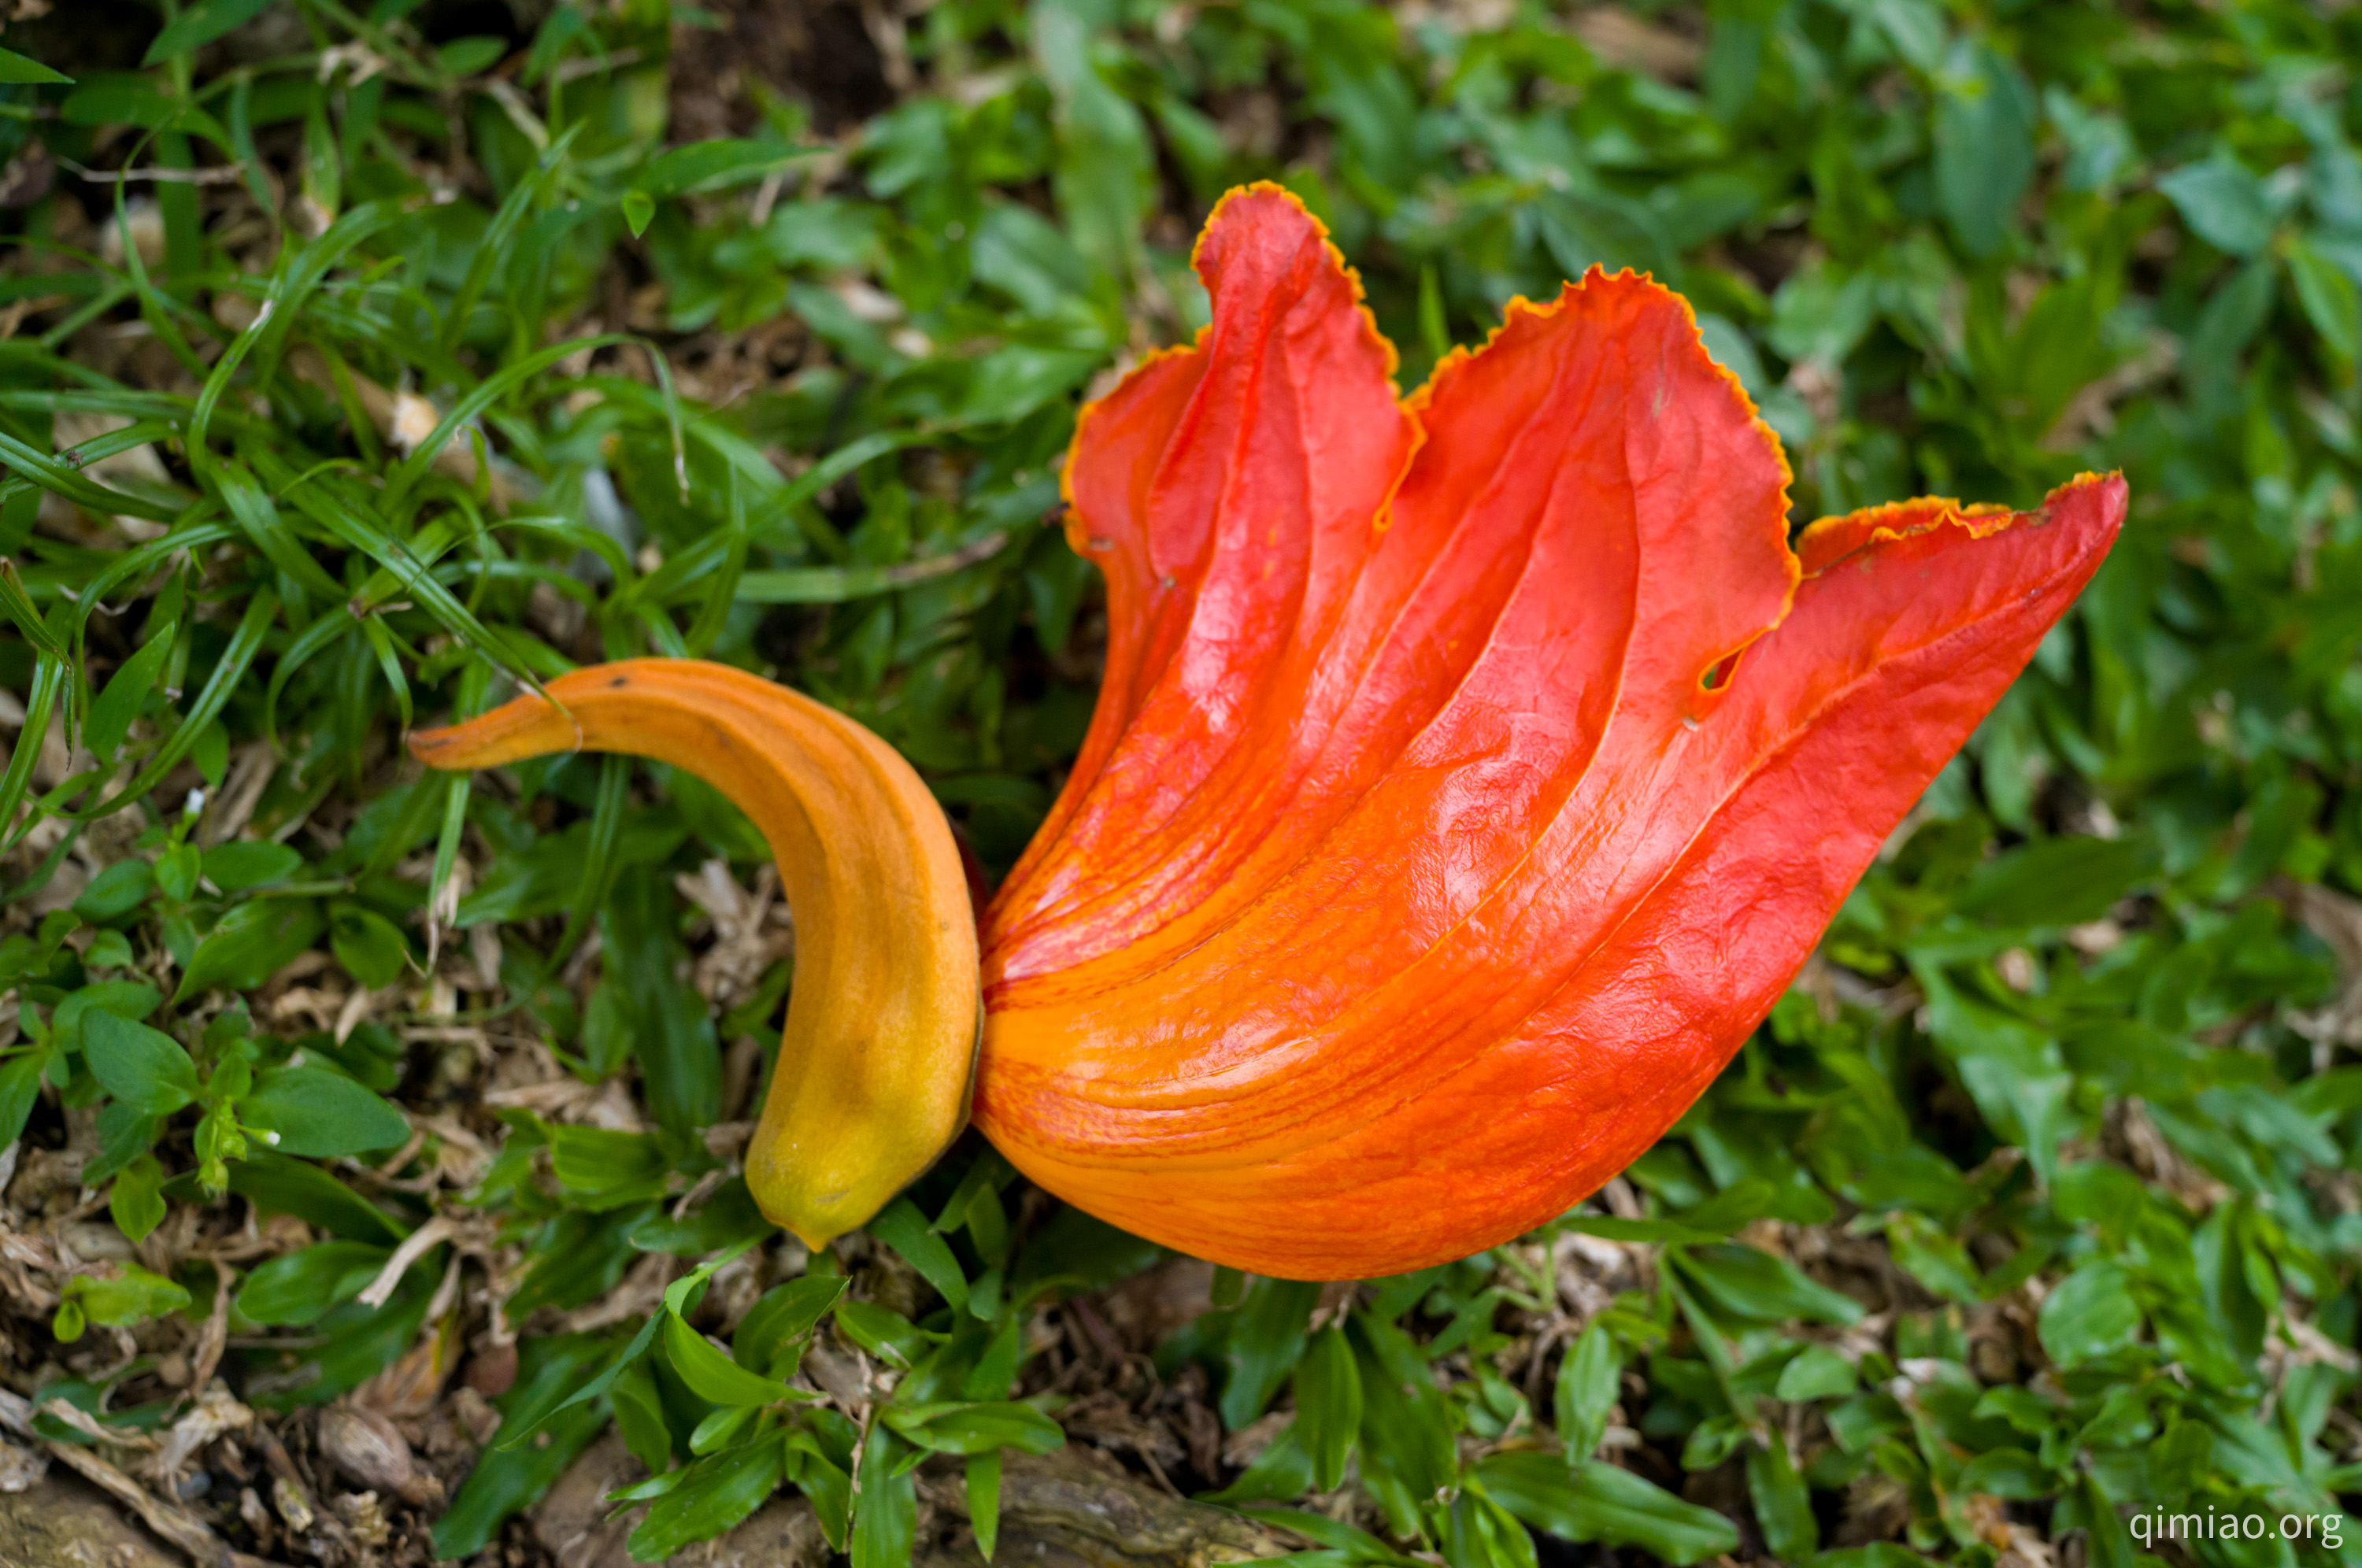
x: 873, y: 1074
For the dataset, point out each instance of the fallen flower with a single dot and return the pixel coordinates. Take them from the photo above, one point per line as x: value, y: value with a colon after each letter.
x: 1470, y: 772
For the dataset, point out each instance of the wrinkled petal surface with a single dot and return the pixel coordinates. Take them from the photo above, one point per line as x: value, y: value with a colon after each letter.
x: 1473, y: 771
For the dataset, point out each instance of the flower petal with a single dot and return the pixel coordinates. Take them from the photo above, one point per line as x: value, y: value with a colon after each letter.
x: 1415, y: 894
x: 1230, y: 491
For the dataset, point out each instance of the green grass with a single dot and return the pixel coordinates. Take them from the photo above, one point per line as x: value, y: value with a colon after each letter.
x: 2033, y: 1210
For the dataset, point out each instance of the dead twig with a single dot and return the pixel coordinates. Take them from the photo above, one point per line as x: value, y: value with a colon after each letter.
x: 170, y: 1523
x: 226, y: 174
x: 213, y: 1338
x: 415, y: 1245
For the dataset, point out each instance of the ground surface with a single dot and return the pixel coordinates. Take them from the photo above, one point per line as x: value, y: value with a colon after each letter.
x: 2030, y: 1217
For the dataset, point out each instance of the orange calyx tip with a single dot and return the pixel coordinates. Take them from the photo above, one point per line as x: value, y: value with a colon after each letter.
x: 529, y: 726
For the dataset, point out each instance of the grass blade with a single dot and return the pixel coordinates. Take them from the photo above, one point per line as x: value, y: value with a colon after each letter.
x: 227, y: 670
x: 49, y: 675
x: 414, y: 468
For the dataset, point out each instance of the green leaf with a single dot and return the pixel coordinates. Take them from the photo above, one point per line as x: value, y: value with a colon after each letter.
x: 721, y: 1426
x: 107, y: 98
x: 711, y: 165
x: 1983, y: 134
x: 716, y: 1493
x: 672, y: 1029
x: 280, y: 1186
x: 18, y: 605
x: 982, y: 1428
x: 1757, y: 1287
x: 127, y: 689
x: 177, y: 870
x: 839, y: 585
x: 639, y: 1416
x: 17, y: 70
x: 2111, y: 1542
x: 143, y: 1067
x: 2056, y: 882
x: 1817, y: 1372
x: 2088, y: 1313
x: 295, y: 1288
x: 20, y: 1085
x: 1410, y: 1452
x: 251, y: 943
x: 2332, y: 302
x: 784, y: 1317
x: 677, y: 1296
x: 49, y: 687
x: 68, y: 1324
x: 1327, y: 1406
x: 1282, y: 1470
x: 824, y: 1481
x: 1266, y: 1340
x: 639, y: 208
x: 984, y: 1500
x: 350, y: 1345
x: 1596, y: 1502
x: 2010, y: 1472
x: 1028, y: 258
x: 123, y: 999
x: 1588, y: 1382
x: 610, y: 1167
x: 1105, y: 169
x: 1714, y: 1440
x: 200, y: 25
x: 1480, y: 1533
x: 124, y: 1134
x: 466, y: 56
x: 886, y: 1525
x: 370, y: 948
x: 92, y: 1398
x: 1336, y: 1535
x: 249, y: 863
x: 902, y: 1227
x: 711, y: 1375
x: 506, y: 1481
x: 1915, y: 28
x: 1783, y: 1509
x: 1881, y: 1554
x: 110, y: 950
x: 131, y: 1295
x: 2222, y: 204
x: 516, y: 1432
x: 1936, y: 1259
x: 116, y: 891
x: 725, y: 1219
x: 137, y: 1199
x: 318, y: 1113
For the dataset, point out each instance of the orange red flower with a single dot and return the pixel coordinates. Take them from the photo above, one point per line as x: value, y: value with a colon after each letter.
x: 1471, y: 773
x: 1471, y: 770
